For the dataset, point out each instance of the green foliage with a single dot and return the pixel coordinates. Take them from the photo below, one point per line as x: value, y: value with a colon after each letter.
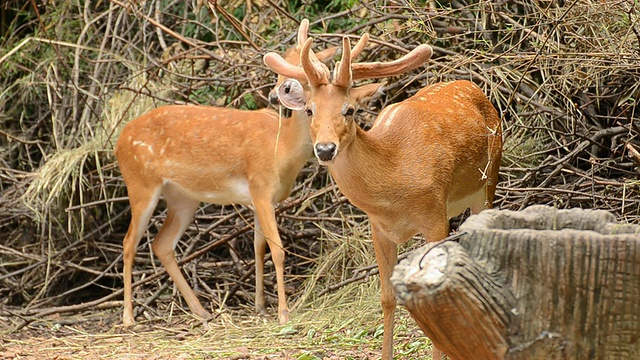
x: 307, y: 356
x: 208, y: 95
x: 249, y: 102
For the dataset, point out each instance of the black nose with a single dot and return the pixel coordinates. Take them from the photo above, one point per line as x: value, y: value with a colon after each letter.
x: 326, y: 151
x: 273, y: 98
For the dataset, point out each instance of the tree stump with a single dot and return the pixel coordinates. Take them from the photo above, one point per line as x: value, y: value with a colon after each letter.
x: 536, y: 284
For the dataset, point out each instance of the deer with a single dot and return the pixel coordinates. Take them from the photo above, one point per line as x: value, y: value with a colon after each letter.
x: 192, y: 154
x: 425, y: 159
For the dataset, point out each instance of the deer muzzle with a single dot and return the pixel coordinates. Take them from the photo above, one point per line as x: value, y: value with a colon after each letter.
x: 326, y: 152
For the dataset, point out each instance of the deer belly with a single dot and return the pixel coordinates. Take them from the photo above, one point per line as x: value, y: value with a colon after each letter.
x: 475, y: 201
x: 231, y: 191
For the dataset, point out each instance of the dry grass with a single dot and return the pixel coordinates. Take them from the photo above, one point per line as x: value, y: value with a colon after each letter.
x: 346, y: 326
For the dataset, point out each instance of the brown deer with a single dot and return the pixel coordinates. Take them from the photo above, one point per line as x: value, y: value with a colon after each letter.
x: 425, y: 160
x: 193, y: 154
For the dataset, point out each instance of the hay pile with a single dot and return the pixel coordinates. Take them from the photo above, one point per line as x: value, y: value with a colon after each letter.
x: 564, y: 75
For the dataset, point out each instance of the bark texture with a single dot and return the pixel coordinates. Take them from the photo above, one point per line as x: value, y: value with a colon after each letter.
x: 536, y: 284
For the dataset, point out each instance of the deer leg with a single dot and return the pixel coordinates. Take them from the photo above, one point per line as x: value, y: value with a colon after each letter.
x: 387, y: 257
x: 436, y: 230
x: 266, y: 216
x: 495, y: 155
x: 260, y: 249
x: 142, y: 206
x: 179, y: 214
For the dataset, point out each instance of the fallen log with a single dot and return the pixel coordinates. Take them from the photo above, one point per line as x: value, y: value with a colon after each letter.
x: 536, y: 284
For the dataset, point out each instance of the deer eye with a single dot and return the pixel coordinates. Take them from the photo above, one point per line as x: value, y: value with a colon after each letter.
x: 309, y: 112
x: 347, y: 109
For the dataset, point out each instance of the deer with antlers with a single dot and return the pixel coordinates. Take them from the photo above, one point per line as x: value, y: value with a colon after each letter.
x: 193, y: 154
x: 425, y: 160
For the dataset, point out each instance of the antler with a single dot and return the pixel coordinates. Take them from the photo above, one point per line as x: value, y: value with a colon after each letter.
x: 346, y: 72
x: 413, y: 59
x: 359, y: 45
x: 303, y: 30
x: 317, y: 73
x: 342, y: 72
x: 279, y: 65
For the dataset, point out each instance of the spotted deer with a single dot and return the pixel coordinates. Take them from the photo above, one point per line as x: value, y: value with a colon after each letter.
x: 425, y: 160
x: 194, y: 154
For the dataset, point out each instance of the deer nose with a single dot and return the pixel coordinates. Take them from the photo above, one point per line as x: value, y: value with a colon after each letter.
x: 273, y: 98
x: 325, y: 151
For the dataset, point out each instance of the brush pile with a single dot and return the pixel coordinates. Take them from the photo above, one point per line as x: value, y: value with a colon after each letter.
x: 564, y: 76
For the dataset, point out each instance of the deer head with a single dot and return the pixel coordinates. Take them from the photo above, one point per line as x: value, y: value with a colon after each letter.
x: 331, y: 103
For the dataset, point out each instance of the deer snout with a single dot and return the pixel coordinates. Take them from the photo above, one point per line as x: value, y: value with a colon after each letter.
x: 326, y: 152
x: 273, y: 97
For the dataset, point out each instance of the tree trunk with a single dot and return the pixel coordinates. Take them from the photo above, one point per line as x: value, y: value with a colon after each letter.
x: 537, y: 284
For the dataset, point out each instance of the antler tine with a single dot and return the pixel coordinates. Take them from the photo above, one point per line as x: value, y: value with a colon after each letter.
x: 317, y: 72
x: 415, y: 58
x: 280, y: 66
x: 303, y: 32
x: 342, y: 72
x: 359, y: 45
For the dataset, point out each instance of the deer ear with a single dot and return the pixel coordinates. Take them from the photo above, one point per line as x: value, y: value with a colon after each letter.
x: 291, y: 95
x: 366, y: 92
x: 327, y: 55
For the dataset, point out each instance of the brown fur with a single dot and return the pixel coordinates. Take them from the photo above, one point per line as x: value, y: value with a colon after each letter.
x: 190, y: 154
x: 197, y: 153
x: 425, y: 160
x: 432, y: 150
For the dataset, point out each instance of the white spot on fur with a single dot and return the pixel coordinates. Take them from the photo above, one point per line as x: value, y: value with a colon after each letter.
x: 458, y: 102
x: 144, y: 144
x: 435, y: 88
x: 164, y: 147
x: 389, y: 116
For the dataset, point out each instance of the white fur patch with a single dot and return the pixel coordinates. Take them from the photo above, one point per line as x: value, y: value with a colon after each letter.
x: 164, y: 147
x: 455, y: 208
x: 389, y: 116
x: 236, y: 193
x: 143, y: 144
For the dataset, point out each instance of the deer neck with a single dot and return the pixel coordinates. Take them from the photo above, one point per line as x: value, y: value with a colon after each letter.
x: 294, y: 134
x: 300, y: 128
x: 294, y: 148
x: 362, y: 169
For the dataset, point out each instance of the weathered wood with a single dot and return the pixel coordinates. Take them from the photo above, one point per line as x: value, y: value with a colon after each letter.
x: 445, y: 291
x: 537, y: 284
